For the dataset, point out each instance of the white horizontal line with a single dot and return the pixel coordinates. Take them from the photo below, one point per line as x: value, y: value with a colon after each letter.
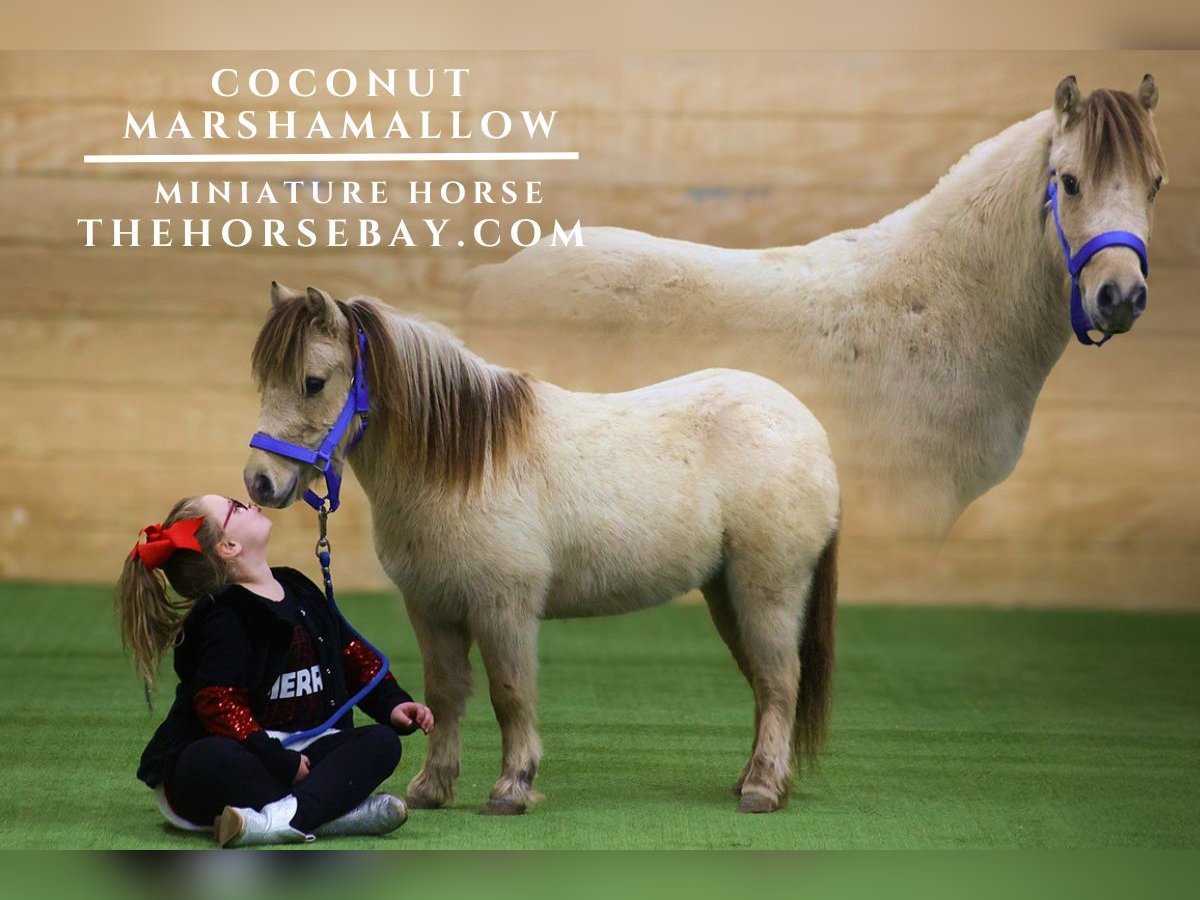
x: 465, y: 156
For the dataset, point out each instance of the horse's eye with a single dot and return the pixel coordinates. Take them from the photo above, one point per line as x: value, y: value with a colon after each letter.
x: 1157, y: 185
x: 312, y: 386
x: 1071, y: 185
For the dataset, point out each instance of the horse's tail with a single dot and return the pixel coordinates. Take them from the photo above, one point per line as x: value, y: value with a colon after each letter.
x: 816, y: 657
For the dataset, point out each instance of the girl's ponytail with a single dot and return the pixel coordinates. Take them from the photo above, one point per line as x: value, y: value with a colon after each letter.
x: 181, y: 552
x: 148, y: 616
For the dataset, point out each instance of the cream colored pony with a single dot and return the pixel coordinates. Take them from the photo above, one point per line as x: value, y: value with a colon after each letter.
x: 499, y: 500
x: 921, y: 341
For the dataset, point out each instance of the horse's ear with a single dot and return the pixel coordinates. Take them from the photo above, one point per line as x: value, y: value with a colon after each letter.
x: 1068, y: 101
x: 324, y: 311
x: 1148, y: 94
x: 281, y: 293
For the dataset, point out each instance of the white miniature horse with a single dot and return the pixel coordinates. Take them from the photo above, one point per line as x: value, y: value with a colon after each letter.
x: 921, y: 341
x: 499, y: 500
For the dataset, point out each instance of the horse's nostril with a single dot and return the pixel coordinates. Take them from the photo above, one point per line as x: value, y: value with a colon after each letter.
x: 262, y: 488
x: 1107, y: 296
x: 1139, y: 299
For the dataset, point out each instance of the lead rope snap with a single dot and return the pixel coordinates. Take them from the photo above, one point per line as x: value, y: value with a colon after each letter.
x: 323, y: 550
x: 323, y: 553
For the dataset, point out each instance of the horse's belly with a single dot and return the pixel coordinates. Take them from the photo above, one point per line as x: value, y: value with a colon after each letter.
x: 591, y: 592
x: 563, y: 604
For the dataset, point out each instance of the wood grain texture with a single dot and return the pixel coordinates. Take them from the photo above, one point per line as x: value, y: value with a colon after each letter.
x: 711, y: 213
x: 125, y: 372
x: 861, y: 84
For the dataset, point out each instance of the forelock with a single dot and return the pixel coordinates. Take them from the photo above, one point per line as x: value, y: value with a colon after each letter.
x: 279, y: 349
x: 1116, y: 131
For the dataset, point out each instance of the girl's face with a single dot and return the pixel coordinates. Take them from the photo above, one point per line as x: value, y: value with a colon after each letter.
x: 243, y: 524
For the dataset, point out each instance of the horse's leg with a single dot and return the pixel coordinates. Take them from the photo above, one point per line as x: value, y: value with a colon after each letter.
x: 716, y: 593
x: 769, y: 622
x: 508, y: 644
x: 444, y: 649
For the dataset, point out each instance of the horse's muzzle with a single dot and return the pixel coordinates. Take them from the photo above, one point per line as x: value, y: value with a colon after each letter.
x: 1117, y: 309
x: 265, y: 492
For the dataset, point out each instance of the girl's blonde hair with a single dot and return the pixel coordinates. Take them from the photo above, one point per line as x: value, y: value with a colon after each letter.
x: 150, y: 618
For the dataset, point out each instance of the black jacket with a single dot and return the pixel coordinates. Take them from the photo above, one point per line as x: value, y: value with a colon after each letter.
x: 236, y: 662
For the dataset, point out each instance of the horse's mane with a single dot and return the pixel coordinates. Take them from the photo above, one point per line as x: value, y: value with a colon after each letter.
x: 1116, y: 128
x: 450, y: 414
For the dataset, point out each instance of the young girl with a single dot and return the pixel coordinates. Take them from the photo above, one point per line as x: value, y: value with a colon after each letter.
x: 259, y: 653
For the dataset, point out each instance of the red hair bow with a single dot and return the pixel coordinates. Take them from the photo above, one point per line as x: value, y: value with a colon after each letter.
x: 161, y: 542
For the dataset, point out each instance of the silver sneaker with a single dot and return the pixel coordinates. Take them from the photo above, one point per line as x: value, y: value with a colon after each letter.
x: 237, y: 827
x: 380, y: 814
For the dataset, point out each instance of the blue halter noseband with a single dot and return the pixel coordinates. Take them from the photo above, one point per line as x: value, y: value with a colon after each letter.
x: 357, y: 404
x: 1080, y: 322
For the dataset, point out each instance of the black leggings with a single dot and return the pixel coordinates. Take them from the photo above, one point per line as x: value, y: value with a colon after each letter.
x: 344, y: 768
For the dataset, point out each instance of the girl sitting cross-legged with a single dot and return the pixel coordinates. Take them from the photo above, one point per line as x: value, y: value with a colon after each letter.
x: 260, y: 654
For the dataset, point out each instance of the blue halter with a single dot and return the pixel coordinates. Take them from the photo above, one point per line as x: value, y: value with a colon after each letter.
x: 357, y: 404
x: 1080, y: 322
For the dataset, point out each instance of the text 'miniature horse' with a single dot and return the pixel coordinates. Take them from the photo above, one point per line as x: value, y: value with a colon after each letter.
x: 499, y: 500
x: 921, y: 341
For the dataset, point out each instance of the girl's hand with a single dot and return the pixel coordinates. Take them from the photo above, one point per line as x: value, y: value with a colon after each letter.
x: 405, y: 715
x: 302, y: 772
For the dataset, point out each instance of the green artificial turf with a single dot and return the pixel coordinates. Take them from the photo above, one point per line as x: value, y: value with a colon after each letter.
x: 952, y: 728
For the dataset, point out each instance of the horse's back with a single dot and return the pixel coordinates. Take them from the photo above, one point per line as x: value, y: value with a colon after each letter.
x: 741, y: 404
x: 619, y: 277
x: 737, y: 432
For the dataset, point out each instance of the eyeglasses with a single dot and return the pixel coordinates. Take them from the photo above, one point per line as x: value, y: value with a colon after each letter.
x: 233, y: 504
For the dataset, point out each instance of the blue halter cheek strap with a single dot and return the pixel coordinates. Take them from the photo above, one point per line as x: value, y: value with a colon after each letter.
x: 1080, y: 322
x: 357, y: 404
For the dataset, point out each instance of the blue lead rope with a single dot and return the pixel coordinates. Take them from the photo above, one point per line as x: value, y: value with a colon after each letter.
x: 358, y: 403
x: 323, y: 557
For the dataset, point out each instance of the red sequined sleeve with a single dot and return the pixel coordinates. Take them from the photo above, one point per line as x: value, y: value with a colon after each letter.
x: 360, y: 663
x: 225, y: 711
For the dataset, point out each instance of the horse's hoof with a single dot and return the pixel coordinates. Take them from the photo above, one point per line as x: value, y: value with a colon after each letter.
x: 736, y: 790
x: 415, y: 801
x: 502, y: 808
x: 757, y: 803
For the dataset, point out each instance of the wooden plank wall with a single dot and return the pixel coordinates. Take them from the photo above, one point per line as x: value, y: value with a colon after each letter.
x: 124, y: 372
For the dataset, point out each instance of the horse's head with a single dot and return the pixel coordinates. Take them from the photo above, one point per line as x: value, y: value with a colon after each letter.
x: 303, y: 362
x: 446, y: 417
x: 1108, y: 165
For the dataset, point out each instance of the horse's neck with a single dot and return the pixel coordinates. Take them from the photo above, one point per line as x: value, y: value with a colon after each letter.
x: 954, y: 303
x: 389, y: 492
x: 951, y: 310
x: 379, y: 463
x: 980, y: 243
